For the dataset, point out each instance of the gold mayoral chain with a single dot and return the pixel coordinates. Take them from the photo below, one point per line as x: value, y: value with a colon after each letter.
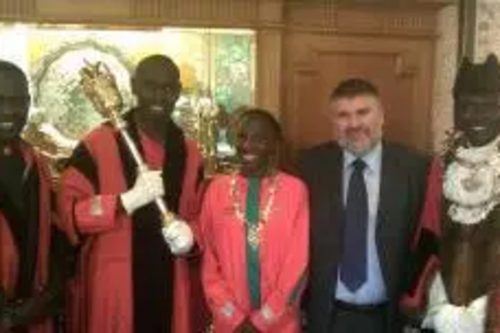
x: 254, y: 230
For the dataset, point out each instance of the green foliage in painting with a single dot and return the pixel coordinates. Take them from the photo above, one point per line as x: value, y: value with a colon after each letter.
x: 233, y: 70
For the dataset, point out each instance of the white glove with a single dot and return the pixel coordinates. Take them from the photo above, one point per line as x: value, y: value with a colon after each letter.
x: 437, y: 298
x: 477, y: 309
x: 179, y: 237
x: 444, y: 317
x: 148, y: 186
x: 456, y: 319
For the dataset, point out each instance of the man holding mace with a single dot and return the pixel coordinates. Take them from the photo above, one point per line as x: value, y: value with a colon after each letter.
x: 129, y: 276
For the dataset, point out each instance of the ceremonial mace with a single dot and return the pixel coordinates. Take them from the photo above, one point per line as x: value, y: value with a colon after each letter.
x: 100, y: 87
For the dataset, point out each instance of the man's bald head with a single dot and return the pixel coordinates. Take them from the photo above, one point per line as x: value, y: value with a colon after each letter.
x: 155, y: 62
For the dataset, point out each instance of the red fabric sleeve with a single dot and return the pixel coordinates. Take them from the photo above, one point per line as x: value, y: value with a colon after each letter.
x: 83, y: 211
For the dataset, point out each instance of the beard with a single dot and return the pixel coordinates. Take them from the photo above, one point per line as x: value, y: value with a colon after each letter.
x: 359, y: 142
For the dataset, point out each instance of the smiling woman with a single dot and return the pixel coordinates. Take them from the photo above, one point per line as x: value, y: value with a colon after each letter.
x: 258, y: 139
x: 258, y: 216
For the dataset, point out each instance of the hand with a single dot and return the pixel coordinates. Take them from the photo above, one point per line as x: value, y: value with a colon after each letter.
x: 4, y: 320
x: 179, y: 237
x: 34, y: 309
x: 27, y: 312
x: 477, y: 309
x: 247, y: 327
x: 148, y: 186
x: 456, y: 319
x: 5, y: 323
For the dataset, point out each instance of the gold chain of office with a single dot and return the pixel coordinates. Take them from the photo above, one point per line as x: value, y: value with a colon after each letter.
x: 254, y: 230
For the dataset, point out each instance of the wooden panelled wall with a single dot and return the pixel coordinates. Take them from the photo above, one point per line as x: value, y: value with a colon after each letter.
x: 305, y: 47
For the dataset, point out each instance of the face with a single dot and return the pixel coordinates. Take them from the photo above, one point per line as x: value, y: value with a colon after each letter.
x: 14, y: 105
x: 478, y: 118
x: 256, y: 145
x: 358, y: 122
x: 157, y: 89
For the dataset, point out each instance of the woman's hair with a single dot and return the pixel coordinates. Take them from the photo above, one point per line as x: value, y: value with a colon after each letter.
x: 266, y: 116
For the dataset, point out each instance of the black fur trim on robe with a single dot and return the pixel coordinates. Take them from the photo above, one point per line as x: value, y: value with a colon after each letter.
x: 82, y: 161
x: 153, y: 263
x: 427, y: 247
x: 425, y: 251
x: 22, y: 214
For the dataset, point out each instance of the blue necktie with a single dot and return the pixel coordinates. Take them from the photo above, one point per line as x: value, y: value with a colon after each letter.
x: 353, y: 269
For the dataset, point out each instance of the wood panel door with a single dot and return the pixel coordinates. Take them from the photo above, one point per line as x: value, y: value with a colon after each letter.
x: 401, y: 68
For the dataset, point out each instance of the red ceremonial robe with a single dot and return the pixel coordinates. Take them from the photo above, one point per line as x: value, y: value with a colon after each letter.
x: 9, y: 248
x: 283, y: 255
x: 106, y: 287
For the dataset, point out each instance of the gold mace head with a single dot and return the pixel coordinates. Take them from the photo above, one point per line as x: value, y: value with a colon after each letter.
x: 100, y: 87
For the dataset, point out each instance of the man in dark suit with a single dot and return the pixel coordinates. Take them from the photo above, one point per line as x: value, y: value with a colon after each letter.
x: 366, y: 195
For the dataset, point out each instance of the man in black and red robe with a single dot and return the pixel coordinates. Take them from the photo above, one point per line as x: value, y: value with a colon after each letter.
x: 131, y: 275
x: 31, y: 248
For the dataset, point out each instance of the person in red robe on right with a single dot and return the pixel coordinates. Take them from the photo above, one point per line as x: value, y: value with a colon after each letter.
x: 464, y: 295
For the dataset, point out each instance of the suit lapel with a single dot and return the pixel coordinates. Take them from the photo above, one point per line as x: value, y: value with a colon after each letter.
x: 331, y: 211
x: 392, y: 185
x: 336, y: 219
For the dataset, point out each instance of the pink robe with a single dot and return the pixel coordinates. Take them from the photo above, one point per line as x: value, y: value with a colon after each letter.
x: 9, y: 255
x: 283, y: 256
x: 102, y: 290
